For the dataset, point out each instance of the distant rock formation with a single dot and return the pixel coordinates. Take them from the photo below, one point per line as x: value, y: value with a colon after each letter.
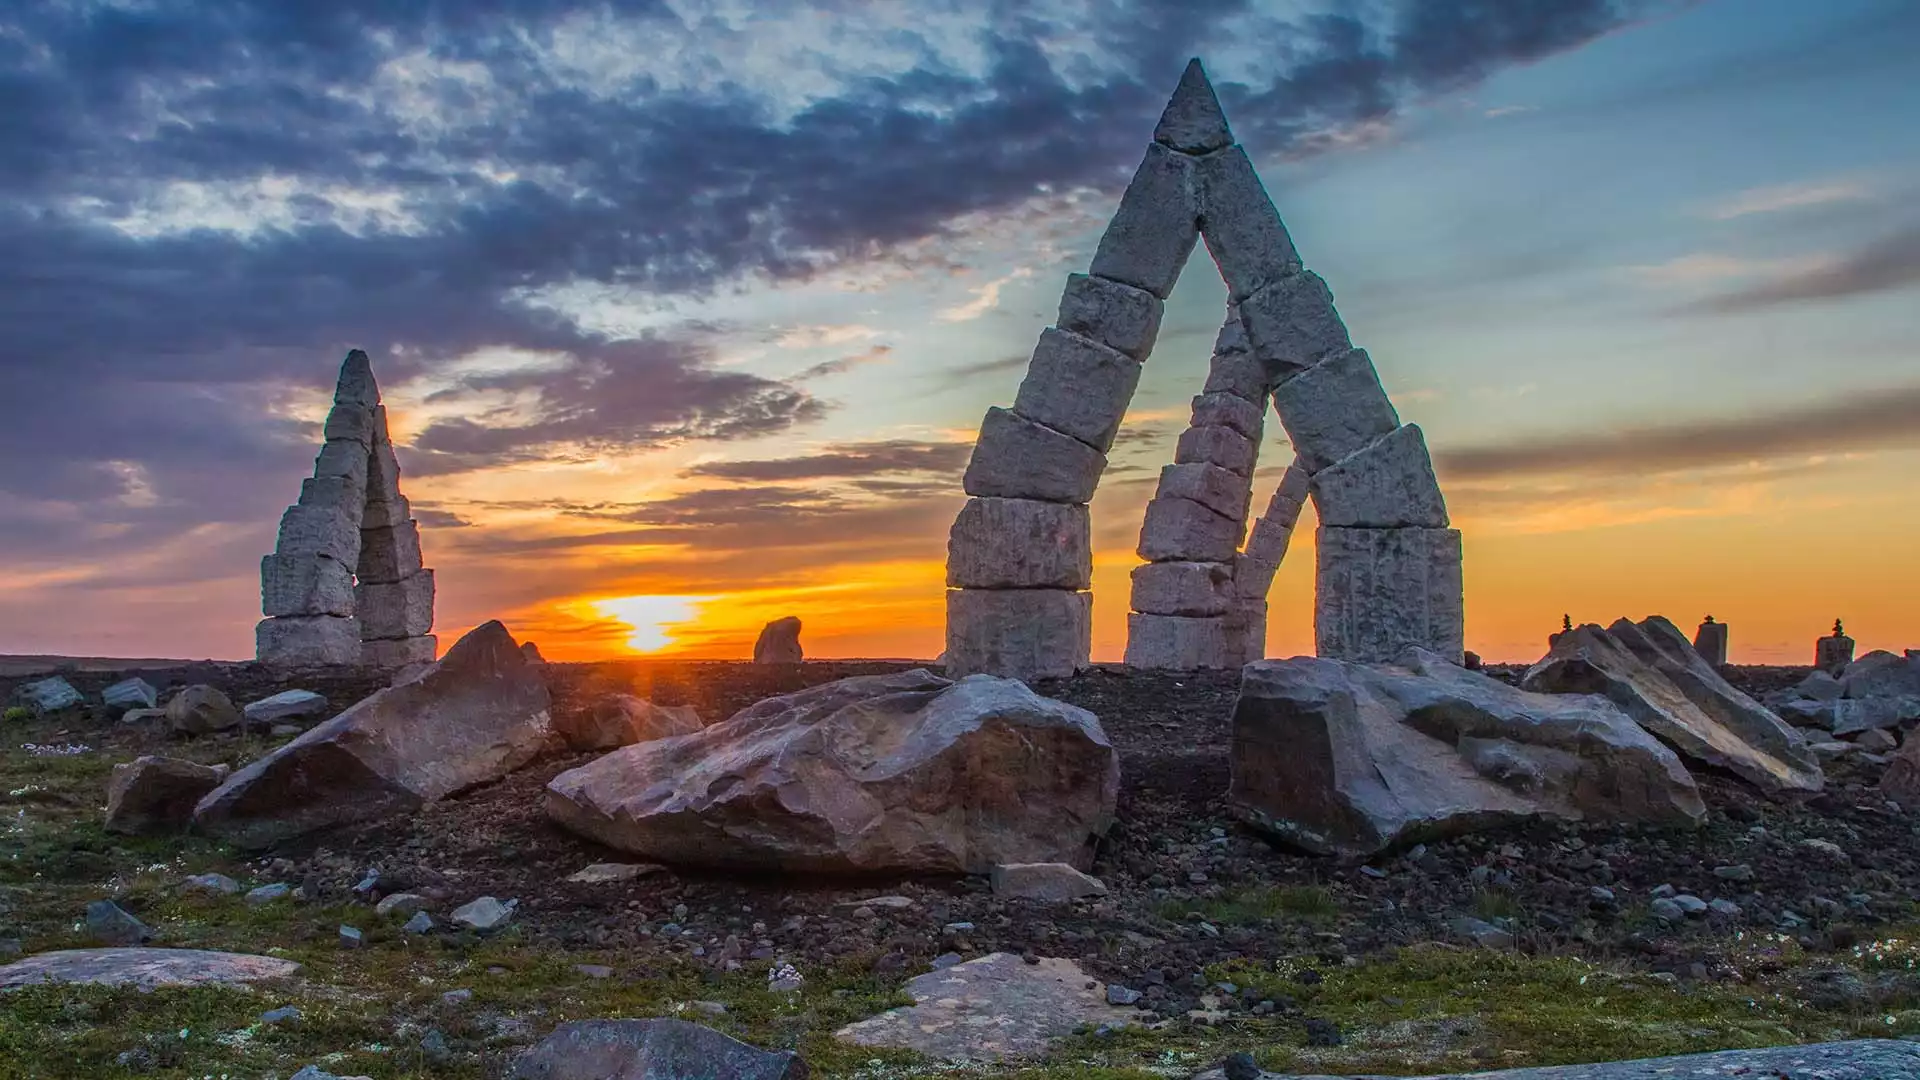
x: 779, y: 642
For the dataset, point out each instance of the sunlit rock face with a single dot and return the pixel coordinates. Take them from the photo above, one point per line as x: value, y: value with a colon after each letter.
x: 900, y: 772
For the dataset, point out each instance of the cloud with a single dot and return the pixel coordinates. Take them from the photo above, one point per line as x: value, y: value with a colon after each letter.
x: 1771, y: 200
x: 1889, y: 416
x: 876, y: 354
x: 985, y: 298
x: 1891, y: 262
x: 848, y: 460
x: 962, y: 373
x: 1710, y: 266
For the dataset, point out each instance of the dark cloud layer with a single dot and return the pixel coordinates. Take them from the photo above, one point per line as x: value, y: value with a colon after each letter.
x: 847, y: 460
x: 1890, y: 262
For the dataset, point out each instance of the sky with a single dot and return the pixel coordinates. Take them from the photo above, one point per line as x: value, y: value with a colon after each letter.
x: 687, y: 311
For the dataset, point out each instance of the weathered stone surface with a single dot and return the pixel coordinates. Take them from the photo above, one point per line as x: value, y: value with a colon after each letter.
x: 1183, y: 588
x: 1016, y: 458
x: 345, y: 459
x: 1177, y: 643
x: 655, y: 1049
x: 397, y: 609
x: 200, y: 709
x: 1354, y: 759
x: 1192, y: 122
x: 48, y: 695
x: 1155, y: 227
x: 148, y: 969
x: 1879, y: 690
x: 1290, y: 492
x: 393, y: 654
x: 132, y: 693
x: 301, y: 641
x: 1238, y: 373
x: 1252, y: 578
x: 1024, y: 634
x: 1378, y: 591
x: 387, y: 514
x: 610, y: 873
x: 1224, y: 492
x: 1228, y: 410
x: 340, y: 492
x: 1390, y: 484
x: 993, y: 1008
x: 483, y: 914
x: 383, y: 473
x: 319, y: 530
x: 285, y: 705
x: 1243, y: 231
x: 475, y: 716
x: 356, y: 384
x: 1185, y: 531
x: 1268, y: 541
x: 1834, y: 652
x: 351, y: 423
x: 1245, y: 628
x: 1118, y: 316
x: 532, y: 652
x: 1077, y: 386
x: 1292, y: 325
x: 779, y: 642
x: 1710, y: 641
x: 906, y: 772
x: 110, y: 924
x: 1650, y: 670
x: 1019, y: 544
x: 1220, y: 446
x: 1334, y: 409
x: 1052, y: 883
x: 151, y: 795
x: 305, y: 584
x: 624, y: 719
x: 1861, y: 1059
x: 388, y: 554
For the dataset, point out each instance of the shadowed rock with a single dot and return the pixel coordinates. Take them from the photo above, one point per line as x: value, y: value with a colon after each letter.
x: 157, y: 794
x: 621, y: 720
x: 658, y: 1049
x: 779, y: 642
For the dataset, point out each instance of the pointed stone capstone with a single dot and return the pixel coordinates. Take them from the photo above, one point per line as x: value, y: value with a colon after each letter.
x: 1193, y: 122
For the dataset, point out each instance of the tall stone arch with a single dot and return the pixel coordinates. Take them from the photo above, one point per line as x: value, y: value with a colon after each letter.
x: 1019, y: 556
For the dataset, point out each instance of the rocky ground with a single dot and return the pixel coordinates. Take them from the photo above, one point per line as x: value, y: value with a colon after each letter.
x: 1518, y: 947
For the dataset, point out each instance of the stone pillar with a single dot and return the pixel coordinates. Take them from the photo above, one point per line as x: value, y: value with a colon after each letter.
x: 1380, y: 590
x: 1710, y: 641
x: 1833, y: 653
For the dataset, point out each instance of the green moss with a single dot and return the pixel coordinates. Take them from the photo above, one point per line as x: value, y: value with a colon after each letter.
x: 17, y: 713
x: 1245, y: 907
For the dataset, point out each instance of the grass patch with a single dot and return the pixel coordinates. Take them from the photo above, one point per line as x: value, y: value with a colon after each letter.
x: 1491, y: 904
x: 1247, y: 907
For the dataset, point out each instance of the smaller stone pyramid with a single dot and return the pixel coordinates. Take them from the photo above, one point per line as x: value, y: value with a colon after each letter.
x: 345, y: 584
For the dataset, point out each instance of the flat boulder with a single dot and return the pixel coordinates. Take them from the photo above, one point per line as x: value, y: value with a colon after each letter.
x: 128, y: 694
x: 658, y: 1049
x: 150, y: 795
x: 1879, y: 690
x: 623, y: 719
x: 990, y: 1009
x: 1336, y: 757
x: 145, y: 968
x: 1650, y: 670
x: 48, y: 695
x: 474, y: 716
x: 907, y: 772
x: 285, y: 705
x: 779, y: 642
x: 201, y: 709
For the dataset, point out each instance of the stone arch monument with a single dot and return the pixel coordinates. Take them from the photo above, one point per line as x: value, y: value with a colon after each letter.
x: 1019, y: 557
x: 345, y: 584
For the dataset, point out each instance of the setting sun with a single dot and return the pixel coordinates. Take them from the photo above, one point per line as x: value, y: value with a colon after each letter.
x: 653, y: 618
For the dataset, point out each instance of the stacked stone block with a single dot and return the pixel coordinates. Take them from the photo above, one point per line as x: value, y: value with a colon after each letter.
x: 345, y: 584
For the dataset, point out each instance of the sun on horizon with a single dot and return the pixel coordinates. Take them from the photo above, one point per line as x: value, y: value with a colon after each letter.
x: 652, y: 618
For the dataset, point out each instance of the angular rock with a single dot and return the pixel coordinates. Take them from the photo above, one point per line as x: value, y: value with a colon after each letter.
x: 344, y: 459
x: 398, y: 654
x: 1650, y: 670
x: 1335, y: 757
x: 1154, y: 229
x: 398, y: 609
x: 609, y: 873
x: 475, y: 716
x: 1223, y: 409
x: 290, y: 641
x: 1334, y: 409
x: 1224, y: 492
x: 1245, y: 629
x: 109, y: 923
x: 1292, y: 325
x: 1901, y: 781
x: 1192, y: 122
x: 1378, y: 591
x: 1710, y: 641
x: 1024, y: 634
x: 212, y: 884
x: 1240, y: 374
x: 347, y: 494
x: 45, y: 696
x: 483, y: 914
x: 151, y: 795
x: 992, y: 1008
x: 399, y: 905
x: 1220, y: 446
x: 386, y: 513
x: 1019, y: 544
x: 388, y: 554
x: 305, y: 584
x: 779, y: 642
x: 1078, y: 387
x: 1185, y: 531
x: 902, y: 773
x: 621, y: 720
x: 145, y: 968
x: 285, y: 705
x: 1832, y: 654
x: 532, y: 652
x: 1390, y: 484
x: 1118, y: 316
x: 1175, y: 643
x: 1268, y: 542
x: 657, y: 1049
x: 200, y: 709
x: 320, y: 530
x: 1051, y: 883
x: 1879, y: 690
x: 1243, y: 231
x: 350, y: 423
x: 356, y: 384
x: 1252, y: 578
x: 1183, y: 588
x: 1289, y: 494
x: 1016, y: 458
x: 128, y: 694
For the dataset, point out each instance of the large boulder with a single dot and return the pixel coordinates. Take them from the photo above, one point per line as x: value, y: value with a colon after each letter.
x: 907, y: 772
x: 1649, y: 669
x: 1337, y: 757
x: 660, y: 1049
x: 200, y: 709
x: 473, y: 717
x: 779, y: 642
x: 129, y: 694
x: 48, y: 695
x: 157, y: 794
x: 1879, y: 690
x: 623, y: 719
x: 146, y: 968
